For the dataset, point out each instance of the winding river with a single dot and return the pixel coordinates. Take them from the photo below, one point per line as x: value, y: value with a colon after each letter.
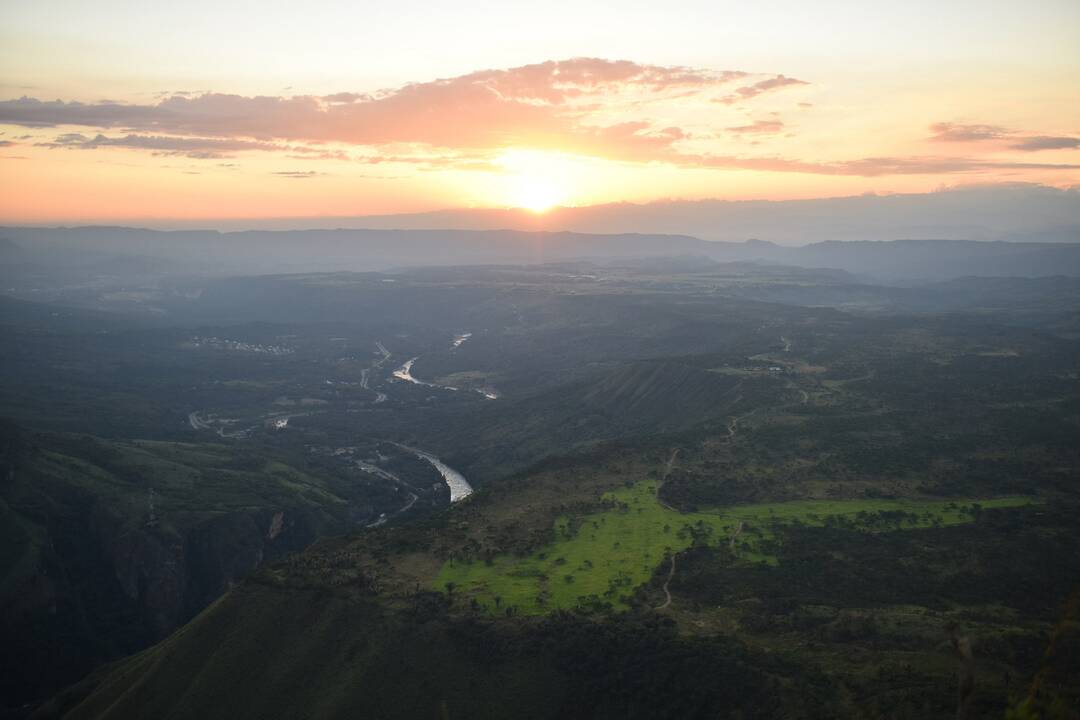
x: 459, y: 486
x: 405, y: 373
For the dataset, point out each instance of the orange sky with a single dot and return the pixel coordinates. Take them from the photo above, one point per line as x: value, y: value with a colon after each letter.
x: 117, y: 111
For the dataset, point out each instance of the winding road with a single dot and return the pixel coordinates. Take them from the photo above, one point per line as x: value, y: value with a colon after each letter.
x: 668, y: 467
x: 667, y: 591
x: 379, y: 472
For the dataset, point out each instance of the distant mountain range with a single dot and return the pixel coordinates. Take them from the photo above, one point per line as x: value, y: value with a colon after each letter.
x: 129, y: 252
x: 1014, y: 212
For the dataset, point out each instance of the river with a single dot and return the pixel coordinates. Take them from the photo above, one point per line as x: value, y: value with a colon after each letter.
x: 459, y: 486
x: 405, y: 373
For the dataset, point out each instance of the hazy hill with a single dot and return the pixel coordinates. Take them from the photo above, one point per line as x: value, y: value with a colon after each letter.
x: 1015, y: 212
x: 77, y: 254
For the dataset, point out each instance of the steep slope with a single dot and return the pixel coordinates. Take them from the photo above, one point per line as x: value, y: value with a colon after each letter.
x: 266, y: 651
x: 109, y: 546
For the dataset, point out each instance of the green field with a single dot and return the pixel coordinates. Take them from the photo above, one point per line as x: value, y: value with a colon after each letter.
x: 601, y: 558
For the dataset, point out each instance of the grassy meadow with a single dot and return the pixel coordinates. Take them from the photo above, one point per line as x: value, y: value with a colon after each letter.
x: 599, y: 559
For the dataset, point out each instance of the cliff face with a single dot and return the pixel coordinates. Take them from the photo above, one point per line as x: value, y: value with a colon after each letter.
x: 93, y: 567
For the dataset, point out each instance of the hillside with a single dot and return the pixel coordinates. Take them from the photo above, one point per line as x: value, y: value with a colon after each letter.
x: 109, y: 546
x: 356, y: 658
x: 370, y: 626
x: 662, y: 395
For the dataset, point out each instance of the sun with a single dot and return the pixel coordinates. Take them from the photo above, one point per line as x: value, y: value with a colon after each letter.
x: 536, y: 181
x: 537, y: 195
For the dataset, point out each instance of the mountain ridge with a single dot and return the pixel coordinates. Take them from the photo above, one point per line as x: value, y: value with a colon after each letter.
x: 139, y: 253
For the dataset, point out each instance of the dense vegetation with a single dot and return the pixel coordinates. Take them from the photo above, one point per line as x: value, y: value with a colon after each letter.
x: 701, y: 490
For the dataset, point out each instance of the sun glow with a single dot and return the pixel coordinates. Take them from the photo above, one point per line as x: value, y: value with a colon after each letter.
x: 537, y: 181
x: 536, y: 194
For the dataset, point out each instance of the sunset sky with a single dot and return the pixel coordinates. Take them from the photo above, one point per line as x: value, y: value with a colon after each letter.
x: 122, y: 110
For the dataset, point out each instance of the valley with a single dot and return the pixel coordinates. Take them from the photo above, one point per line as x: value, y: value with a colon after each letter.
x: 485, y: 471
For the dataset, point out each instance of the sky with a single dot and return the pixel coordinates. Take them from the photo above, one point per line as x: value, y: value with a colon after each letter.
x: 139, y: 111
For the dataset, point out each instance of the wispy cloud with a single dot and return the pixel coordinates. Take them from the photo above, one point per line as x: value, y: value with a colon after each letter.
x: 297, y: 174
x: 1046, y: 142
x: 874, y: 166
x: 199, y: 148
x: 762, y: 86
x: 763, y: 127
x: 1010, y: 139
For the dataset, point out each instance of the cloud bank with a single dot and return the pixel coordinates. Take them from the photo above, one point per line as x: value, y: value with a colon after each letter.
x: 615, y: 110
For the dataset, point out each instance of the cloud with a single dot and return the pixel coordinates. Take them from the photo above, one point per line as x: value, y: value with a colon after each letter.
x: 954, y: 132
x: 297, y: 174
x: 1011, y: 139
x: 1046, y: 142
x: 871, y: 166
x: 31, y: 112
x: 764, y: 127
x: 616, y: 110
x: 542, y: 105
x: 199, y: 148
x: 751, y: 91
x: 7, y: 143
